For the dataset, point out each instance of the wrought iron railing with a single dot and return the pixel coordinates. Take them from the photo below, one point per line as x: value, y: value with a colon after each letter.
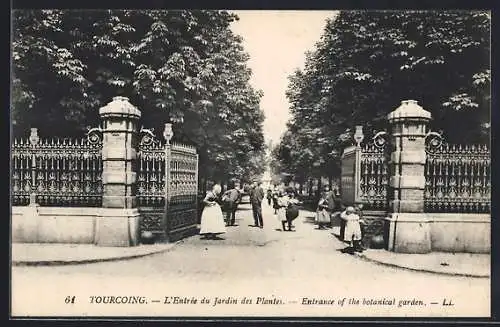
x: 183, y: 184
x: 150, y: 172
x: 374, y: 176
x: 61, y: 172
x: 457, y: 178
x: 183, y: 176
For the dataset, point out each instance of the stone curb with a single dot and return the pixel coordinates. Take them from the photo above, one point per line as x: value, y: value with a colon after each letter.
x: 25, y: 263
x: 430, y: 271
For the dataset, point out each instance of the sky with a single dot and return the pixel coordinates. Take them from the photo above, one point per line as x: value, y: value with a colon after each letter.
x: 276, y: 42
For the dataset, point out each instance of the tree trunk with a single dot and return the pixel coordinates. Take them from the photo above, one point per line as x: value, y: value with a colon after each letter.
x: 318, y: 191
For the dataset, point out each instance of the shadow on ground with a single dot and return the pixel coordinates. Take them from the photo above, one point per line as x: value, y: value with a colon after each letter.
x: 309, y: 219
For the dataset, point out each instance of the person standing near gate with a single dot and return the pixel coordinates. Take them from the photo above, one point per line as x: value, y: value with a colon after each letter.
x: 231, y: 199
x: 256, y: 197
x: 335, y: 207
x: 212, y: 219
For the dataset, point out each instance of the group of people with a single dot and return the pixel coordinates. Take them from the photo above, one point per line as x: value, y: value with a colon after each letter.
x: 330, y: 207
x: 285, y: 205
x: 284, y: 202
x: 220, y: 209
x: 213, y: 220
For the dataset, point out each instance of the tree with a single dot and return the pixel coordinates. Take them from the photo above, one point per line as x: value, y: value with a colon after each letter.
x: 181, y: 66
x: 367, y: 62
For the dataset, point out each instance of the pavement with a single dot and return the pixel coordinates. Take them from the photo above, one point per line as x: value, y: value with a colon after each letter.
x: 447, y: 263
x: 458, y: 264
x: 268, y: 271
x: 40, y: 254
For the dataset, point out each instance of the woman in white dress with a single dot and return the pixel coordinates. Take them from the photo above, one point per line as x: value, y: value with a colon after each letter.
x: 212, y: 219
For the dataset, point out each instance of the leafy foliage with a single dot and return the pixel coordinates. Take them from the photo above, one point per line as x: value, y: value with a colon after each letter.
x: 367, y: 62
x: 186, y: 67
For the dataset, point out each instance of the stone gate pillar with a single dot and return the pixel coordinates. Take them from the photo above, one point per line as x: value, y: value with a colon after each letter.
x: 118, y: 224
x: 408, y: 227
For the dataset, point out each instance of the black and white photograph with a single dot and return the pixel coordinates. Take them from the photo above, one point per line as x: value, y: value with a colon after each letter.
x: 250, y: 163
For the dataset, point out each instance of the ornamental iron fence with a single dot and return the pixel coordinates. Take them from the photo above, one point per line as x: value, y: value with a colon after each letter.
x: 374, y: 176
x: 150, y: 172
x: 457, y: 178
x: 182, y: 193
x: 68, y: 172
x: 61, y: 171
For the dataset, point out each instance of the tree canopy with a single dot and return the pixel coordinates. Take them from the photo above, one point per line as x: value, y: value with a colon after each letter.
x: 367, y: 62
x: 186, y: 67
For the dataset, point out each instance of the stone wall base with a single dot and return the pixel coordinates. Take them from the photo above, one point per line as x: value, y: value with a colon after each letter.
x: 117, y: 227
x: 408, y: 233
x: 33, y: 224
x: 440, y: 232
x: 100, y: 226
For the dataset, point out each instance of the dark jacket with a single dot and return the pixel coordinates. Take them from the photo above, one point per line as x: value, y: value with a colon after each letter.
x: 334, y: 202
x: 256, y: 195
x: 233, y: 195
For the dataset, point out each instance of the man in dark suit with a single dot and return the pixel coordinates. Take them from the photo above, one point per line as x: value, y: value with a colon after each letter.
x: 256, y: 197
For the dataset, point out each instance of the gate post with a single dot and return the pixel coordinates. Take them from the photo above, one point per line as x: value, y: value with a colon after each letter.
x: 408, y: 227
x: 118, y: 224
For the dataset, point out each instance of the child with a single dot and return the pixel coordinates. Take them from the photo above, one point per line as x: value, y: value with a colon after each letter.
x: 352, y: 233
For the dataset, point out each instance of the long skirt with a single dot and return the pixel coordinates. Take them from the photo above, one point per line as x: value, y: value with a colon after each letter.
x: 322, y: 217
x: 212, y: 220
x: 281, y: 214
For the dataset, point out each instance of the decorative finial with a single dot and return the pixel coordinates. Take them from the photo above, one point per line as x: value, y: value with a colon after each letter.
x: 34, y: 136
x: 168, y: 133
x: 358, y: 135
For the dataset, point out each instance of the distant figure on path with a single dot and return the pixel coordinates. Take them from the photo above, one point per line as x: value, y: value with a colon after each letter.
x: 231, y: 199
x: 276, y: 196
x: 256, y: 197
x: 269, y: 196
x: 212, y: 219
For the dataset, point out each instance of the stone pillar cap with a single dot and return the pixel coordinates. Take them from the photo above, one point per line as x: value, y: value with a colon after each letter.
x: 120, y: 106
x: 409, y: 109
